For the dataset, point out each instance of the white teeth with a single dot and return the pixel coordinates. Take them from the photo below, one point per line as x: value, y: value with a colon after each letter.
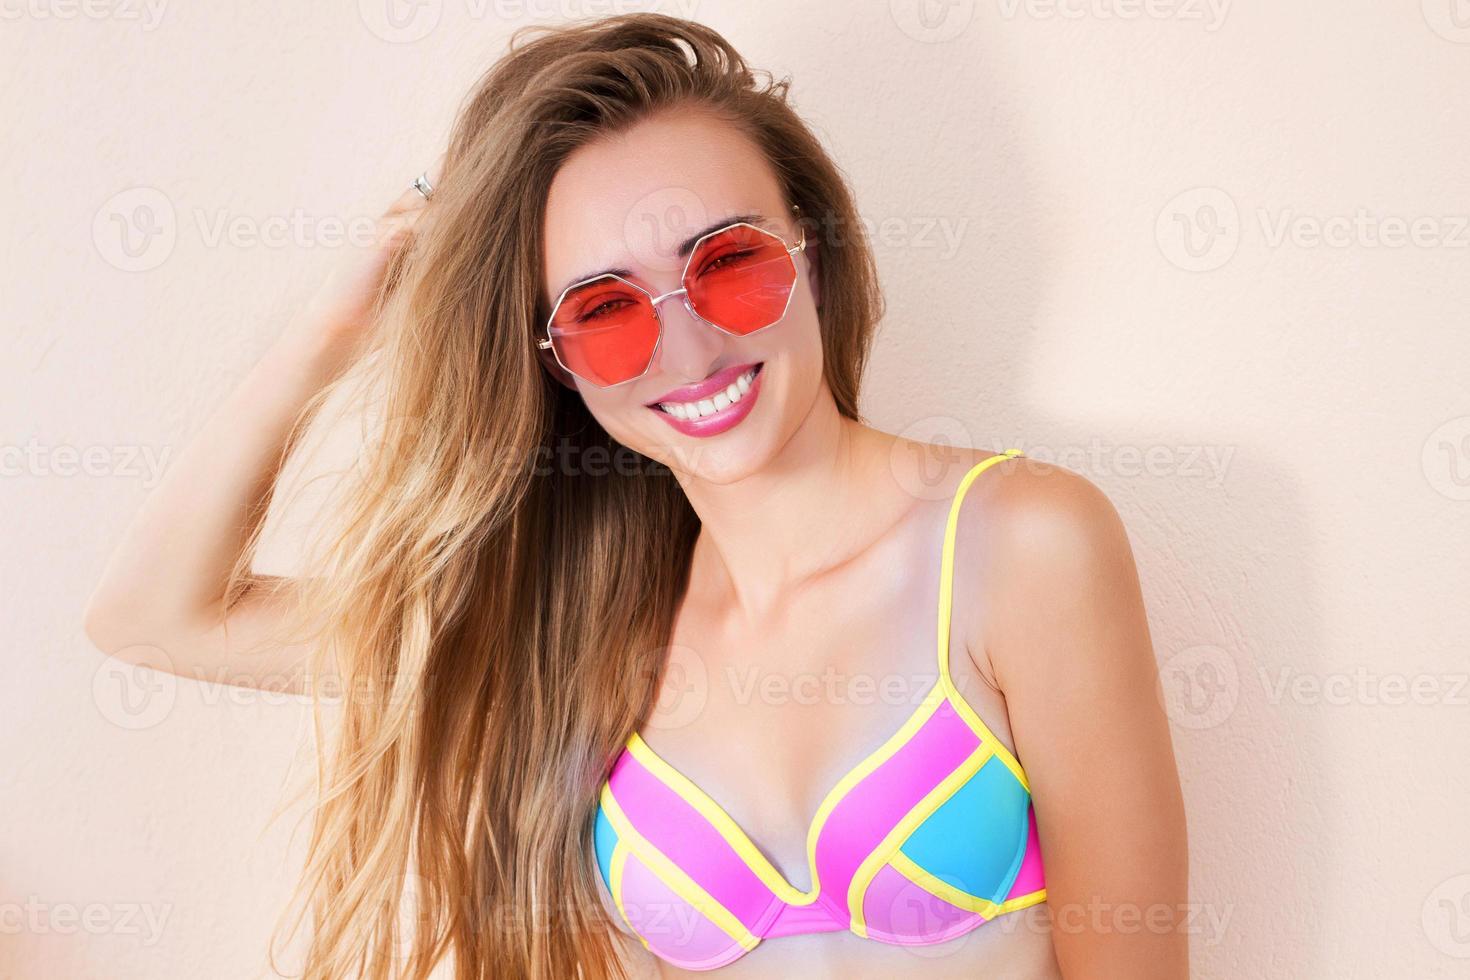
x: 708, y: 406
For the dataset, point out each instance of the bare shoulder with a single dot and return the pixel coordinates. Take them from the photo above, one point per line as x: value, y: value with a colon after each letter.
x: 1040, y: 517
x: 1041, y: 547
x: 1012, y: 502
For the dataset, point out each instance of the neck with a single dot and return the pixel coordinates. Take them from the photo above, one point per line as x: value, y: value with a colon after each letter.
x: 799, y: 514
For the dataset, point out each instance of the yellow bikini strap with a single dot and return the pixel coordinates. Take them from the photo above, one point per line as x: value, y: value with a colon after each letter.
x: 946, y: 566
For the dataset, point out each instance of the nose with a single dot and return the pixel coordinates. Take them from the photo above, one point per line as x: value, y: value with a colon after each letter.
x: 688, y: 344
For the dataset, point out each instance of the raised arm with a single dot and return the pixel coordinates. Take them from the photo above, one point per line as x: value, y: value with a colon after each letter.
x: 162, y: 601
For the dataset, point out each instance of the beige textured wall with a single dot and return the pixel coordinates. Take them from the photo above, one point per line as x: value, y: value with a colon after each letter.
x: 1214, y: 255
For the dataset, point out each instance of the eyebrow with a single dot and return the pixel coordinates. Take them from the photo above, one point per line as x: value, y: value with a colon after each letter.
x: 685, y: 247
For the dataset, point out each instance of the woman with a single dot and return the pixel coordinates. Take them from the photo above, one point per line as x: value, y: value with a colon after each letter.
x: 623, y: 514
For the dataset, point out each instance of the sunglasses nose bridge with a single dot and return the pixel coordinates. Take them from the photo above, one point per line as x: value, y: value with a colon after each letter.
x: 685, y: 346
x: 681, y: 291
x: 683, y: 294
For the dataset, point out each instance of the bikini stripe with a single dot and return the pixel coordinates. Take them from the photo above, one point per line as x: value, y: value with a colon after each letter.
x: 946, y: 599
x: 920, y: 812
x: 672, y: 875
x: 689, y: 838
x: 741, y: 842
x: 940, y: 888
x: 615, y: 881
x: 1023, y: 901
x: 958, y: 897
x: 963, y: 709
x: 875, y: 806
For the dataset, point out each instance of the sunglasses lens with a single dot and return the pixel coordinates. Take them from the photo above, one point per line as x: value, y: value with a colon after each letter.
x: 740, y: 279
x: 605, y: 331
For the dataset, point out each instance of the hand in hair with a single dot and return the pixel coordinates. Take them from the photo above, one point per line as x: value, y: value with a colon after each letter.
x: 344, y: 308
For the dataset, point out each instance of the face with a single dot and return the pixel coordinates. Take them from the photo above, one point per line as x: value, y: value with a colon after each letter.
x: 633, y: 203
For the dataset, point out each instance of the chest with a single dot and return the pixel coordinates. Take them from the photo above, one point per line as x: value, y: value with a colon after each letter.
x: 829, y: 769
x: 768, y: 719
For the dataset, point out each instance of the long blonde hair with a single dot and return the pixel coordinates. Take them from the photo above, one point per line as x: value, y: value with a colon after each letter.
x: 498, y: 619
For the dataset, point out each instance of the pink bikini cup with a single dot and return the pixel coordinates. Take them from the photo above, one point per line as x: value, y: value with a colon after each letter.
x: 925, y: 839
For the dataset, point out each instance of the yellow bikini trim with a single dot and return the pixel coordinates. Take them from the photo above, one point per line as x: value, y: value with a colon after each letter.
x: 741, y: 842
x: 673, y: 876
x: 615, y: 885
x: 958, y: 897
x: 920, y: 812
x: 946, y: 599
x: 757, y: 861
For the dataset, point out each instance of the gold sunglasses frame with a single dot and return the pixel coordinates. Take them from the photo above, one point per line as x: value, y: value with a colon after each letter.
x: 545, y: 343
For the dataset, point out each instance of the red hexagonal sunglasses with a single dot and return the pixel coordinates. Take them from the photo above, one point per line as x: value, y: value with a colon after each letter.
x: 606, y: 330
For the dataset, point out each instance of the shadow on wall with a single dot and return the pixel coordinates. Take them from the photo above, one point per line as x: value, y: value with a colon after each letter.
x: 1218, y: 531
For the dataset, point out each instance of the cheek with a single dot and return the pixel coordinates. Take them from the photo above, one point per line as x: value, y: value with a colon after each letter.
x: 806, y: 345
x: 616, y: 412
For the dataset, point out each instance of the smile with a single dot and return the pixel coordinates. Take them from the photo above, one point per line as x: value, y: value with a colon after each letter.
x: 721, y: 400
x: 717, y: 411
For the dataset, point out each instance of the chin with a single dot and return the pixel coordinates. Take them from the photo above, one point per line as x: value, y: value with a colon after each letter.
x: 722, y: 443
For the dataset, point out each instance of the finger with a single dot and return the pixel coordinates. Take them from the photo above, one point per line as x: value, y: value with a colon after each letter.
x: 413, y: 199
x: 409, y: 201
x: 395, y: 228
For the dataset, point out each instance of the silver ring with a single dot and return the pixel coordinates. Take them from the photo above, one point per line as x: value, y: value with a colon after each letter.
x: 422, y: 185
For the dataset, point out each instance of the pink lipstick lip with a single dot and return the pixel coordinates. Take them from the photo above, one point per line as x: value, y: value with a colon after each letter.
x: 721, y: 421
x: 707, y: 388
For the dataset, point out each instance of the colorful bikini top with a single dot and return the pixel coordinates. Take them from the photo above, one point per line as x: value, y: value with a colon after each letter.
x: 928, y: 837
